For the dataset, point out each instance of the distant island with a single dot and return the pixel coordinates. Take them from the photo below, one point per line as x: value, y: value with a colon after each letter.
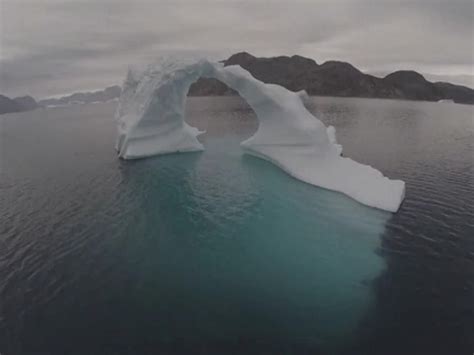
x: 27, y: 103
x: 296, y: 73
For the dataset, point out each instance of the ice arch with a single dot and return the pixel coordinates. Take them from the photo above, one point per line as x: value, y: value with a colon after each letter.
x: 151, y: 121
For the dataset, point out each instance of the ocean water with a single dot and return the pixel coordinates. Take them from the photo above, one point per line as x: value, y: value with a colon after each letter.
x: 217, y: 252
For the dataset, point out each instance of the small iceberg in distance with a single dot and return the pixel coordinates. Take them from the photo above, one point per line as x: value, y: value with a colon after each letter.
x: 450, y: 101
x: 150, y: 119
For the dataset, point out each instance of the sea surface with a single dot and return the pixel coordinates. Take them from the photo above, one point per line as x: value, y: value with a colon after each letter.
x: 217, y: 252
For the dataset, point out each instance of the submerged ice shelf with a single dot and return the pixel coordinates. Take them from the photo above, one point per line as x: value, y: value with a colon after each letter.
x: 151, y: 122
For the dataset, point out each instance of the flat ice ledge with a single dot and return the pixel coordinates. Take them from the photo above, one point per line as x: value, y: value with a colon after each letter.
x: 156, y: 142
x: 358, y: 181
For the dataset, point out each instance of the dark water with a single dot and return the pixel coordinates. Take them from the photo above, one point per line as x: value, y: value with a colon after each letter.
x: 217, y: 252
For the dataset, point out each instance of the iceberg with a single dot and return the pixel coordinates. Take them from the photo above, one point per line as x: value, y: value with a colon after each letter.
x: 450, y: 101
x: 151, y: 121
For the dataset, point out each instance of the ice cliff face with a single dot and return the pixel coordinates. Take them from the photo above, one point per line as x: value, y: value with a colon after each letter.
x: 151, y: 122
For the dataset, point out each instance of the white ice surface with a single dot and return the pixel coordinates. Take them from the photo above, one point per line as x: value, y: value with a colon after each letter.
x: 151, y: 122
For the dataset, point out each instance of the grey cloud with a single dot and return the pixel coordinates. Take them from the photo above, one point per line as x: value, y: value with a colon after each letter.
x: 54, y: 46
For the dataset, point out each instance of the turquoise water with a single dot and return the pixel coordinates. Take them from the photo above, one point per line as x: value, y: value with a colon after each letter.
x: 249, y: 252
x: 218, y: 252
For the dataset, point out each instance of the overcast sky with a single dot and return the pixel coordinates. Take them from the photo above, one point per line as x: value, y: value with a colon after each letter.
x: 51, y: 47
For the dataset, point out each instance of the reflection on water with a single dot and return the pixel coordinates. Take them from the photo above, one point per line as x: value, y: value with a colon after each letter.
x: 217, y: 251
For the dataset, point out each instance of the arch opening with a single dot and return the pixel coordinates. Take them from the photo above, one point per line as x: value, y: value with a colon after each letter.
x: 151, y: 121
x: 227, y: 118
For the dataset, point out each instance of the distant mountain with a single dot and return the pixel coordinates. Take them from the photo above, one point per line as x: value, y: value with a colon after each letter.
x: 7, y: 105
x: 334, y: 78
x: 451, y: 91
x: 26, y: 103
x: 18, y: 104
x: 107, y: 94
x: 413, y: 85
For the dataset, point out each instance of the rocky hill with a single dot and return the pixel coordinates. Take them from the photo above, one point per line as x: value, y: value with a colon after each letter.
x: 26, y: 103
x: 19, y: 104
x: 335, y: 78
